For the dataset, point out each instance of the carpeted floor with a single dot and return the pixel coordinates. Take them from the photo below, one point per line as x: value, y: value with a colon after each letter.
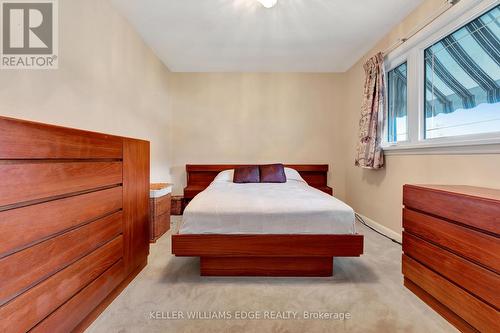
x: 368, y: 289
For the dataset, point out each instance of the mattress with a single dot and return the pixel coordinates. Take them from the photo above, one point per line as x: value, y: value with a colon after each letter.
x: 293, y: 207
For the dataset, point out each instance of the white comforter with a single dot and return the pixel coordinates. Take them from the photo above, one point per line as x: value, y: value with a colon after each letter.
x: 265, y: 208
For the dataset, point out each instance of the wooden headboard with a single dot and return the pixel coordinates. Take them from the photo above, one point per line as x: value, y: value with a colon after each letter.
x: 199, y: 176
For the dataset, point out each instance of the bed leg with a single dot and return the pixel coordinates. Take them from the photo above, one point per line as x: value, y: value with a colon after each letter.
x: 266, y: 266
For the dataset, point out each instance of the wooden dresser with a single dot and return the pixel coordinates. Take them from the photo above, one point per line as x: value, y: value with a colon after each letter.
x: 73, y: 223
x: 451, y: 256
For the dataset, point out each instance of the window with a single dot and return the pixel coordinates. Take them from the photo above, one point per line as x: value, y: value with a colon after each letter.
x: 443, y: 85
x: 397, y: 127
x: 462, y: 80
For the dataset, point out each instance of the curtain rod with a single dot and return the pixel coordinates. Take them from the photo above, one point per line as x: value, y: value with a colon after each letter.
x: 446, y: 5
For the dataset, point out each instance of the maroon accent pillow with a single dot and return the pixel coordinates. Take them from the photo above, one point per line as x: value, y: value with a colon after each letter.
x: 272, y: 173
x: 248, y: 174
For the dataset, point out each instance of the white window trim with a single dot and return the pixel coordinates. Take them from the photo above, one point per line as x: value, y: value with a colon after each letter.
x: 412, y: 52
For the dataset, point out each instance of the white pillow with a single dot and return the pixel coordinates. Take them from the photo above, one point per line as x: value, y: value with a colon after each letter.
x: 227, y: 176
x: 292, y: 174
x: 224, y: 176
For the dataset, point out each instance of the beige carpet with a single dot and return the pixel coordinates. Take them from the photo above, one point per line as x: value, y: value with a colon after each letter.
x: 369, y: 289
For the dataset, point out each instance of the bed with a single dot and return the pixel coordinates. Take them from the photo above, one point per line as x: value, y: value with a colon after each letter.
x: 264, y: 229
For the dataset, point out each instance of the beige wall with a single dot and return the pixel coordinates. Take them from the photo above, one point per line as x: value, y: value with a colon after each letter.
x: 377, y: 194
x: 257, y: 118
x: 108, y: 80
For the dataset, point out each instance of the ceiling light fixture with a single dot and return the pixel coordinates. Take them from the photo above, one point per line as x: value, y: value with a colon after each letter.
x: 268, y: 3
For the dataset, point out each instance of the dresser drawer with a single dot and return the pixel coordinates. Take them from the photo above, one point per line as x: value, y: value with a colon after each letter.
x: 31, y: 307
x: 67, y: 317
x: 177, y: 205
x: 482, y: 248
x: 161, y: 205
x: 28, y: 140
x: 161, y: 225
x: 477, y: 313
x: 159, y: 217
x: 23, y: 269
x: 26, y: 182
x: 18, y: 228
x: 476, y: 207
x: 477, y: 280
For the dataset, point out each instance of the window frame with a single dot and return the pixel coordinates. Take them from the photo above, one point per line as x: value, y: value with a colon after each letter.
x: 412, y: 52
x: 395, y: 64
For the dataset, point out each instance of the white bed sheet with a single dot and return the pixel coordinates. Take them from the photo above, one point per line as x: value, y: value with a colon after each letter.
x: 266, y: 208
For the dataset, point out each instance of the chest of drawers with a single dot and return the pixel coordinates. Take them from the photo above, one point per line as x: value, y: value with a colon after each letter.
x: 451, y: 252
x: 73, y: 223
x: 159, y: 210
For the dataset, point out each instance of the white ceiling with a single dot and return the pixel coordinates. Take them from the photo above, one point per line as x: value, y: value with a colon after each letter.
x: 243, y: 36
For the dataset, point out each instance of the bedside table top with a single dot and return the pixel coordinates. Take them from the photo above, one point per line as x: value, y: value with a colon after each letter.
x: 157, y: 190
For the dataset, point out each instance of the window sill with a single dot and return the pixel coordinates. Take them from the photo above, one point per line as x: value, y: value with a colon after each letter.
x: 485, y: 146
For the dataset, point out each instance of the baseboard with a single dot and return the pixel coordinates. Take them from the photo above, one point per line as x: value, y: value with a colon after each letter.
x: 382, y: 229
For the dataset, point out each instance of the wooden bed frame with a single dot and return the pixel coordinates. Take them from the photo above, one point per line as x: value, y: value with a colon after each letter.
x: 263, y: 255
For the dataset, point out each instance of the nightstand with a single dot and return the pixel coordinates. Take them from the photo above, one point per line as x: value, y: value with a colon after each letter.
x: 159, y: 210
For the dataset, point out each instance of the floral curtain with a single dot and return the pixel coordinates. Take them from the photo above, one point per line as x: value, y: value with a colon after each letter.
x: 369, y: 153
